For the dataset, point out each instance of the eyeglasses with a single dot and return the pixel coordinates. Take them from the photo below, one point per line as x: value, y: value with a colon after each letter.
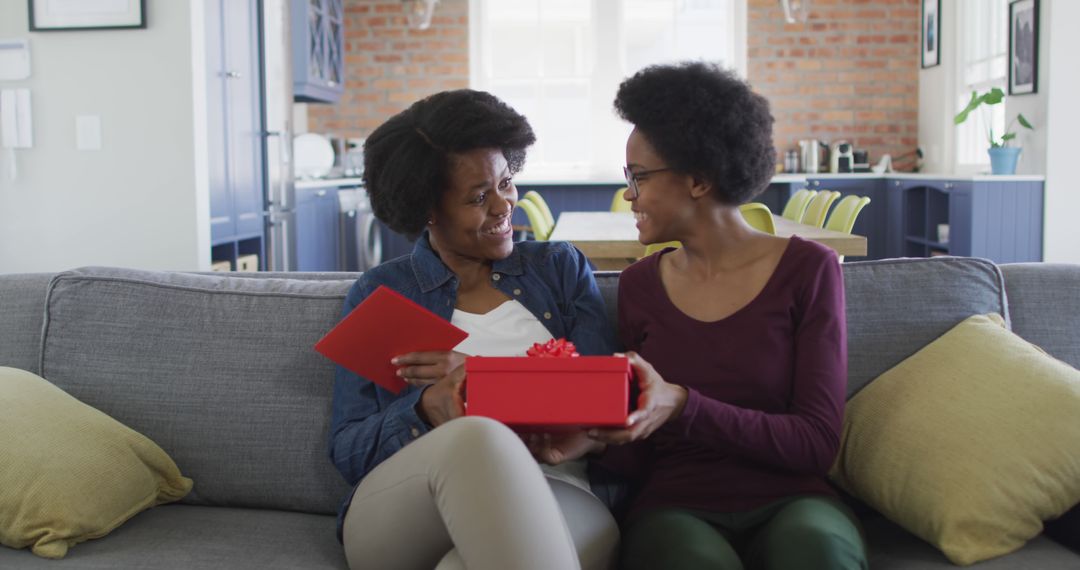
x: 632, y: 179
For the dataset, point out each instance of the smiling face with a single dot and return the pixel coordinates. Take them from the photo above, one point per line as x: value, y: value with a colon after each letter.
x: 472, y: 220
x: 663, y: 204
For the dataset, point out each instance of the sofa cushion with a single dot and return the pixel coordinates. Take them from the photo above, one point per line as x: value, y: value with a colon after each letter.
x: 897, y: 306
x: 69, y: 472
x: 22, y: 308
x: 219, y: 371
x: 890, y: 547
x: 184, y: 537
x: 608, y: 283
x: 970, y: 444
x: 1044, y: 303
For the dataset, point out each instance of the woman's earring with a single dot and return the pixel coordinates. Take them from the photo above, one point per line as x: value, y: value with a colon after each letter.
x: 431, y: 222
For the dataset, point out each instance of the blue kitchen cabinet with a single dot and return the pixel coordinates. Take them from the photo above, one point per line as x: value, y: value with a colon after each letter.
x: 234, y: 129
x: 776, y: 195
x: 317, y: 229
x: 1000, y: 220
x: 318, y: 47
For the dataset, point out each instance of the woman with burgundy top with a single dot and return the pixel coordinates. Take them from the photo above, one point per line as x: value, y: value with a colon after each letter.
x: 737, y: 339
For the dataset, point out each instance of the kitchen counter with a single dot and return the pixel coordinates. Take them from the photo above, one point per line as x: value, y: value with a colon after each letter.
x: 328, y: 182
x: 801, y: 177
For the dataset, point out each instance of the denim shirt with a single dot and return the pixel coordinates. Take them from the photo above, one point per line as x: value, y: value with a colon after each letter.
x: 551, y: 279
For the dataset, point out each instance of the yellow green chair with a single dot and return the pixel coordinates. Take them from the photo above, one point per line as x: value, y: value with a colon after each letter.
x: 818, y: 208
x: 655, y: 247
x: 759, y: 217
x: 796, y: 205
x: 535, y: 197
x: 756, y: 214
x: 617, y: 202
x: 540, y: 228
x: 842, y: 218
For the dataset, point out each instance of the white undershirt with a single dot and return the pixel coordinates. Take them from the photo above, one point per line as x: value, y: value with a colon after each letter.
x: 507, y: 330
x: 510, y: 330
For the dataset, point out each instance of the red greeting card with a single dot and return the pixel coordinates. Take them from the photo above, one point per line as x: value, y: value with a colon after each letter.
x: 382, y: 326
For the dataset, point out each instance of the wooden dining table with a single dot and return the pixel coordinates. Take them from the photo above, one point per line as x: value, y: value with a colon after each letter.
x: 610, y: 239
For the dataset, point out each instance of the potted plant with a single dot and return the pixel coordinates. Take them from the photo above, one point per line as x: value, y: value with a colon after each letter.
x: 1002, y: 157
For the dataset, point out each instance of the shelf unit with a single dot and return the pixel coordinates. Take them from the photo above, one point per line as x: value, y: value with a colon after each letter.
x: 231, y: 250
x: 926, y: 210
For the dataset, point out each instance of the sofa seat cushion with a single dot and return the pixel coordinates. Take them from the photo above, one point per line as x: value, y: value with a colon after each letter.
x: 69, y: 473
x: 182, y: 537
x: 892, y: 548
x: 970, y: 443
x: 219, y: 371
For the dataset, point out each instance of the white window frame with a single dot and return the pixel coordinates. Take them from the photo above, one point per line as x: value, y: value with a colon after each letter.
x: 608, y: 142
x: 970, y: 137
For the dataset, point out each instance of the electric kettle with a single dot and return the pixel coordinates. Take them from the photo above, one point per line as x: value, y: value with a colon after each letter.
x: 812, y: 152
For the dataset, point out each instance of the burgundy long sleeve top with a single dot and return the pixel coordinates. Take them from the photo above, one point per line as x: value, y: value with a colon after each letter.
x: 766, y: 388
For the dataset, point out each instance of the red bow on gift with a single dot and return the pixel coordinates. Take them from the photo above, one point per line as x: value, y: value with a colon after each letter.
x: 560, y: 348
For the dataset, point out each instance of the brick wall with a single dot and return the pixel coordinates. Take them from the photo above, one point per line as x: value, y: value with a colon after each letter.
x: 388, y: 65
x: 851, y: 72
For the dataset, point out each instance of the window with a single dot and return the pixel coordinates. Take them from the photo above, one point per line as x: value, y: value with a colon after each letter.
x: 983, y: 45
x: 559, y: 62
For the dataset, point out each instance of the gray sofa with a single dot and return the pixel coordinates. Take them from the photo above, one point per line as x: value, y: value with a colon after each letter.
x: 219, y: 371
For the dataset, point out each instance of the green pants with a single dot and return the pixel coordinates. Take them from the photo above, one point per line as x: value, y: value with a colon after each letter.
x: 805, y: 533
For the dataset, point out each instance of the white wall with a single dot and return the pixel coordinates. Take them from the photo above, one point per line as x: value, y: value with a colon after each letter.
x: 1061, y: 241
x: 1050, y: 149
x: 134, y: 203
x: 937, y: 91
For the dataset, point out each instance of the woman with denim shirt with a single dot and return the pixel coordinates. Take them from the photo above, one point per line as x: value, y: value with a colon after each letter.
x: 432, y: 488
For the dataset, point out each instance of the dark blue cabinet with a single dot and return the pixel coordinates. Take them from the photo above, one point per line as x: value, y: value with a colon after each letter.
x: 317, y: 229
x: 873, y: 221
x: 1000, y: 220
x: 318, y: 46
x: 997, y: 219
x: 234, y: 129
x: 776, y: 195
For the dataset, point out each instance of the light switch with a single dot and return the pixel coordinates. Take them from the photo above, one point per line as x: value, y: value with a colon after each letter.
x: 14, y: 59
x: 88, y: 132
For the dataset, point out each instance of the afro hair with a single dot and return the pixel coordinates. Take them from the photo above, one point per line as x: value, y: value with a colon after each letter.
x: 407, y: 159
x: 705, y: 121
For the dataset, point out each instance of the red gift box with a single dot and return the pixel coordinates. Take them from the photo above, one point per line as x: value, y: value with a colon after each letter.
x: 549, y: 392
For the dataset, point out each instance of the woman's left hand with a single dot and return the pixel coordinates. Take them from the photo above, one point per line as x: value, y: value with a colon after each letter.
x: 424, y: 368
x: 659, y: 403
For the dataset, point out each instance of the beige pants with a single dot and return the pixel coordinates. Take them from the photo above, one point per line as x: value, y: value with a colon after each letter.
x: 469, y: 495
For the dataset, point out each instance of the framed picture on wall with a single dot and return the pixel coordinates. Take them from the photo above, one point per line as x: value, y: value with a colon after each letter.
x: 66, y: 15
x: 1023, y: 46
x: 931, y: 33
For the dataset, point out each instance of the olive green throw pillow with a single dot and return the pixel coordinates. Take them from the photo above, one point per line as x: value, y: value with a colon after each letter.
x: 68, y: 472
x: 970, y: 443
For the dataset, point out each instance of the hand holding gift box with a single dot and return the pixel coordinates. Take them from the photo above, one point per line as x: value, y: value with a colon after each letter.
x: 658, y: 403
x: 553, y: 387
